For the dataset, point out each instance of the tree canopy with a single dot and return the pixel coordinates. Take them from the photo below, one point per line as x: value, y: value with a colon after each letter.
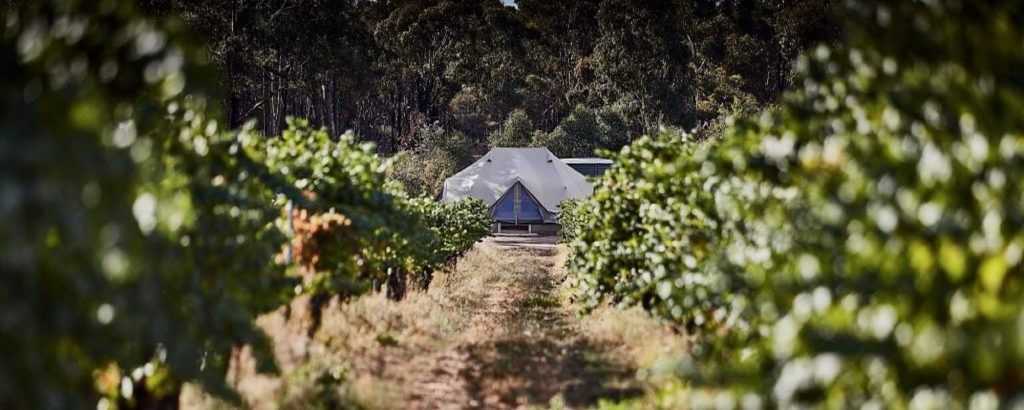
x: 391, y: 69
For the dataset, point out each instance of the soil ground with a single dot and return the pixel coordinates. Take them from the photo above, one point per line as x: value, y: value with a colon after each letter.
x: 522, y: 347
x: 496, y: 331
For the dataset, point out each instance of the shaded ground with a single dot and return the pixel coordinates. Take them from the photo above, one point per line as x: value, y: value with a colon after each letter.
x: 521, y: 346
x: 495, y: 331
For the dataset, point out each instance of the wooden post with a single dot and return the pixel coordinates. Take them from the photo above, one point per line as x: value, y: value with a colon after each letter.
x: 515, y: 198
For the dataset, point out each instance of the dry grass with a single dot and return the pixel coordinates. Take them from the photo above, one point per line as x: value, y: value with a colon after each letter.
x: 356, y: 358
x: 497, y: 331
x: 636, y: 336
x: 647, y: 343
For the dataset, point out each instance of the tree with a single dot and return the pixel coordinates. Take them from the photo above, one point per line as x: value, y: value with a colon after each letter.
x: 561, y: 40
x: 744, y: 51
x: 281, y: 58
x: 641, y: 57
x: 434, y: 58
x: 422, y: 171
x: 586, y: 131
x: 517, y: 131
x: 576, y: 136
x: 387, y: 68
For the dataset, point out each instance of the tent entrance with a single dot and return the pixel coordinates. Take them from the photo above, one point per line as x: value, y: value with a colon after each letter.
x: 517, y: 206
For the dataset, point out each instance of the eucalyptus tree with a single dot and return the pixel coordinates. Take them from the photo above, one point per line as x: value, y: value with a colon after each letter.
x: 641, y: 58
x: 561, y: 41
x: 281, y: 58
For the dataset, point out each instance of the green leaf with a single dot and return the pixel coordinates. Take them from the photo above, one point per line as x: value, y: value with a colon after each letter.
x: 952, y: 259
x: 992, y: 271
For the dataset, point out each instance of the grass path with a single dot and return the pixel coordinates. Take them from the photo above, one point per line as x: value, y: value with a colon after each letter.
x: 521, y: 347
x: 494, y: 332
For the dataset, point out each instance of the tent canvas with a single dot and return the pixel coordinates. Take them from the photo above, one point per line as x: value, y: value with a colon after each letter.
x: 545, y: 180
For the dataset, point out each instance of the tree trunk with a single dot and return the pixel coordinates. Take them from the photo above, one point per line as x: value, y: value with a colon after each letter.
x: 396, y: 285
x: 145, y: 400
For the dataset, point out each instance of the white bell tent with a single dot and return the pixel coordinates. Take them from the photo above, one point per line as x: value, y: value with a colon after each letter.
x: 519, y: 185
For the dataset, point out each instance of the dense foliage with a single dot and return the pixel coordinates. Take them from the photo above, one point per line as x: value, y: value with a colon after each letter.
x: 138, y: 236
x: 585, y: 131
x: 859, y: 246
x: 422, y: 171
x: 353, y: 226
x: 652, y: 233
x: 457, y: 224
x: 388, y: 69
x: 574, y: 76
x: 115, y: 242
x: 570, y: 218
x: 516, y: 131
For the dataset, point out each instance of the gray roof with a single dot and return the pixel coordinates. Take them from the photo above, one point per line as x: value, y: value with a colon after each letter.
x: 546, y: 177
x: 603, y: 161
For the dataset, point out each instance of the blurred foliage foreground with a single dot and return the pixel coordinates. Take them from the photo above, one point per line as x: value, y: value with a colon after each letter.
x: 138, y: 239
x: 860, y: 246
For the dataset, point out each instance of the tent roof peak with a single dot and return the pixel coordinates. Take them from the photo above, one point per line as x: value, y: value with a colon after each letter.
x: 542, y: 173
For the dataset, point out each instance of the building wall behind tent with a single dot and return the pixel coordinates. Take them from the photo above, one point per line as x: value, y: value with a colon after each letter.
x: 590, y: 167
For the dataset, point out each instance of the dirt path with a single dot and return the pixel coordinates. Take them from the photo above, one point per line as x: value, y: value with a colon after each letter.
x: 521, y: 347
x: 494, y: 332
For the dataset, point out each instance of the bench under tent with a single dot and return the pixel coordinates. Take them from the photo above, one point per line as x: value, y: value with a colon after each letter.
x: 521, y: 186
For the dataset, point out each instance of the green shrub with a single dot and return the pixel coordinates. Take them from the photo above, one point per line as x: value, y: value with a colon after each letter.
x: 356, y: 226
x: 653, y: 232
x: 861, y: 244
x: 457, y: 224
x: 570, y: 218
x: 138, y: 238
x: 134, y: 233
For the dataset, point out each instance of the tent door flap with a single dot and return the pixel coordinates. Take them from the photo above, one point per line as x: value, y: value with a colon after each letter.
x: 517, y: 205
